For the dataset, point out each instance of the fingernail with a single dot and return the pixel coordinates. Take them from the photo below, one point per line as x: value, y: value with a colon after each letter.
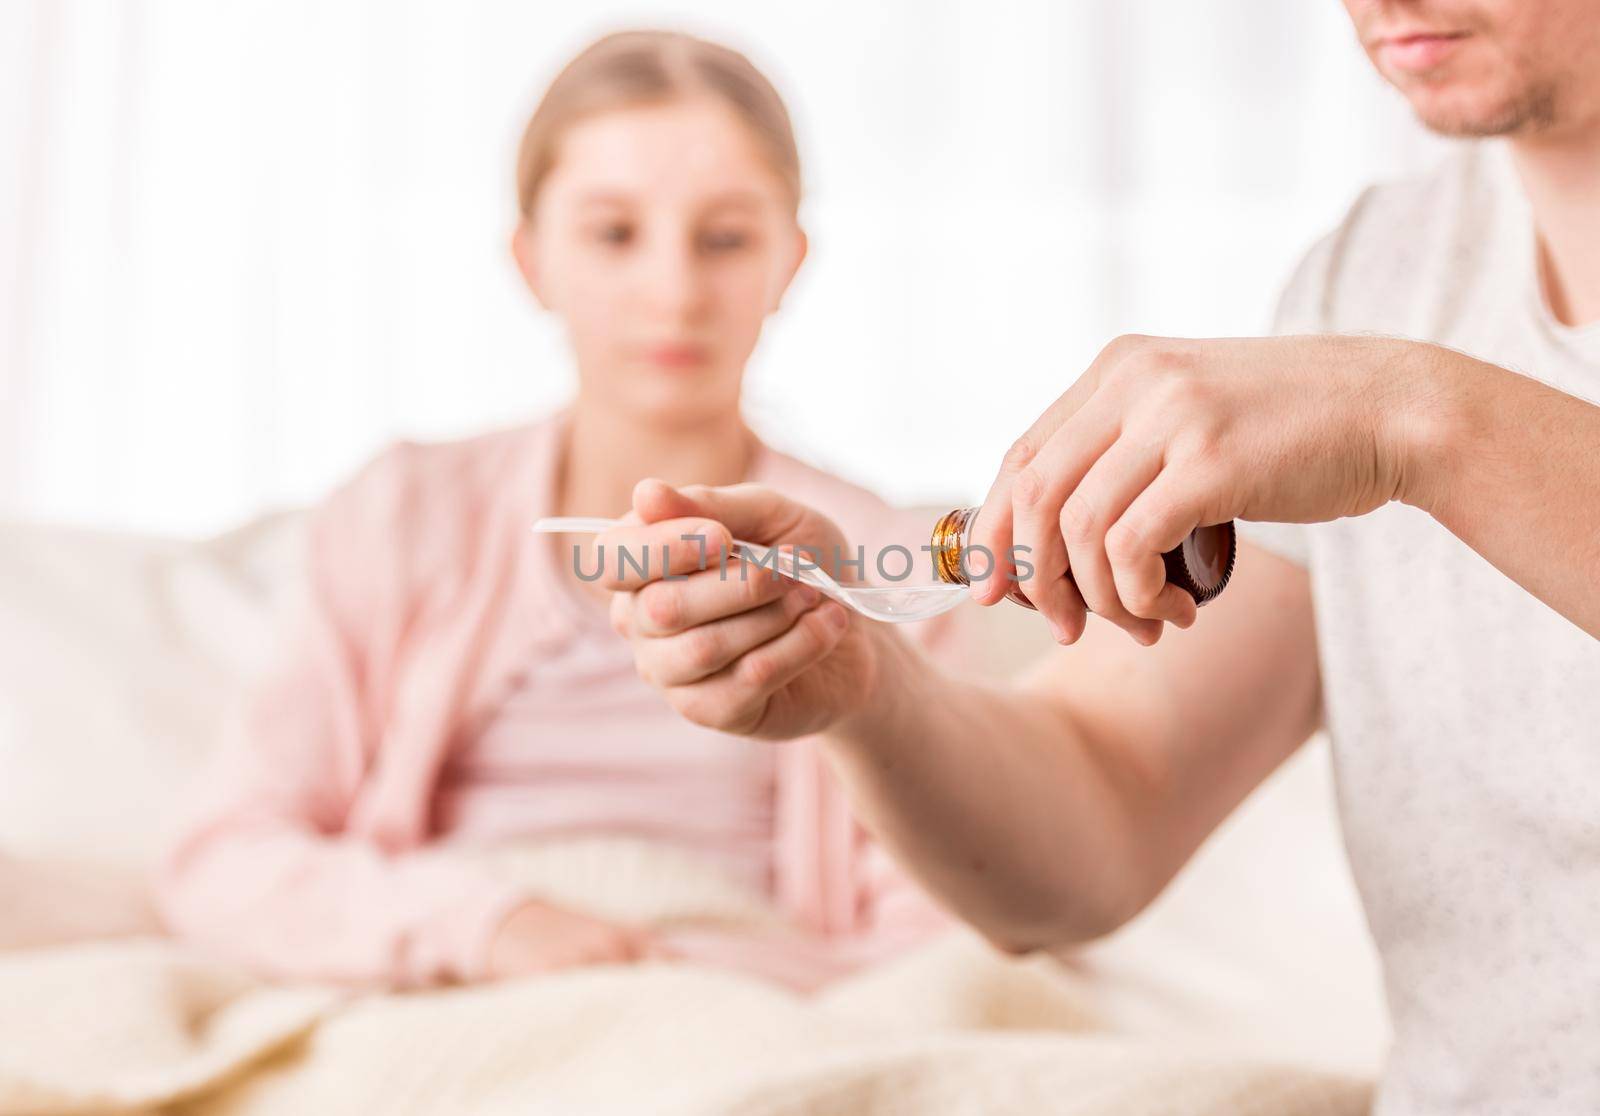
x: 808, y: 595
x: 836, y: 616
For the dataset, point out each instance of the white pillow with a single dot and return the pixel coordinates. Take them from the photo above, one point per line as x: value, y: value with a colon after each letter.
x: 117, y: 654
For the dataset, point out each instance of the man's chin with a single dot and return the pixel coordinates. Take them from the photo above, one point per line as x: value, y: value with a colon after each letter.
x: 1467, y: 117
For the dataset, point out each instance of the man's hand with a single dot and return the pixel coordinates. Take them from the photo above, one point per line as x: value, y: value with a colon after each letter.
x: 538, y: 937
x: 733, y: 646
x: 1161, y: 436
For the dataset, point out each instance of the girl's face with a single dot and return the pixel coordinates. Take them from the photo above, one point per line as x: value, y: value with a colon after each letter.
x: 663, y: 239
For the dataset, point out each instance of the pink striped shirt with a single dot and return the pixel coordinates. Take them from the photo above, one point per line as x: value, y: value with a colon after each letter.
x: 584, y: 746
x: 441, y: 684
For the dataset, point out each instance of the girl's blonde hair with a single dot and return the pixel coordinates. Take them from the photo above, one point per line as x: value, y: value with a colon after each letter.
x: 630, y: 68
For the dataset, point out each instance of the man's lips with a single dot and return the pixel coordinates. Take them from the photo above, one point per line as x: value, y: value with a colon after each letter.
x: 1417, y: 51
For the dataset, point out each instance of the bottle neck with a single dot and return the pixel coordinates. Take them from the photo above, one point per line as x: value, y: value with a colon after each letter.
x: 951, y: 536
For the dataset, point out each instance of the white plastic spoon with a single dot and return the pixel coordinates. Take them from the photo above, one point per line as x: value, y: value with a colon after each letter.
x: 892, y: 604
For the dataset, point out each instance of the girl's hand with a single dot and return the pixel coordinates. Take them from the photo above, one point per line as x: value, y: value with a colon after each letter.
x: 737, y: 649
x: 538, y: 937
x: 1161, y: 436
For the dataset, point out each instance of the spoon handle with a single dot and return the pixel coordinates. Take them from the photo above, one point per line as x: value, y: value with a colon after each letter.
x: 758, y: 553
x: 785, y: 565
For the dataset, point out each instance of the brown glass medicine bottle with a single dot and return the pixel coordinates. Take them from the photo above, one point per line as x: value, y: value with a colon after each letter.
x: 1200, y: 565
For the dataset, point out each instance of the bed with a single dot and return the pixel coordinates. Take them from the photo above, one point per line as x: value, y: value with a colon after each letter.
x: 1250, y: 987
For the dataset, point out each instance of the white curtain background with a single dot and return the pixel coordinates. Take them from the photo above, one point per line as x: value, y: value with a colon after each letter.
x: 245, y: 244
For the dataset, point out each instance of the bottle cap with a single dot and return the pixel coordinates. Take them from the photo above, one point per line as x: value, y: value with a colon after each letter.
x: 1203, y: 563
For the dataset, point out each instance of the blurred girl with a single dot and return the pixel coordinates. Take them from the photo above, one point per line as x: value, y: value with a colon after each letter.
x: 450, y: 685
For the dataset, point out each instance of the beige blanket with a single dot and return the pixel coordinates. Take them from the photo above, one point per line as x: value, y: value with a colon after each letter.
x: 143, y: 1025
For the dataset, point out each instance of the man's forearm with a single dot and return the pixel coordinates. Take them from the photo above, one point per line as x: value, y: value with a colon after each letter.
x: 996, y: 802
x: 1511, y: 466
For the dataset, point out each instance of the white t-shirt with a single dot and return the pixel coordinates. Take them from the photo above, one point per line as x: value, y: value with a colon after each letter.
x: 1464, y: 713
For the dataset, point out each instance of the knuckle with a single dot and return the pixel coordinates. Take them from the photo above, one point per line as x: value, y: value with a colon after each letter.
x: 1077, y: 519
x: 1049, y: 595
x: 1173, y: 391
x: 1168, y: 358
x: 698, y: 708
x: 1028, y: 487
x: 707, y: 534
x: 1124, y: 344
x: 1020, y: 453
x: 1123, y: 543
x: 1115, y: 360
x: 792, y: 605
x: 1096, y: 598
x: 1142, y: 602
x: 758, y: 586
x: 1094, y: 601
x: 757, y: 670
x: 702, y: 649
x: 820, y: 634
x: 662, y: 605
x: 1203, y: 452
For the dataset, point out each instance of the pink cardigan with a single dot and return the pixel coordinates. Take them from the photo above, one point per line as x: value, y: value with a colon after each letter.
x: 311, y: 855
